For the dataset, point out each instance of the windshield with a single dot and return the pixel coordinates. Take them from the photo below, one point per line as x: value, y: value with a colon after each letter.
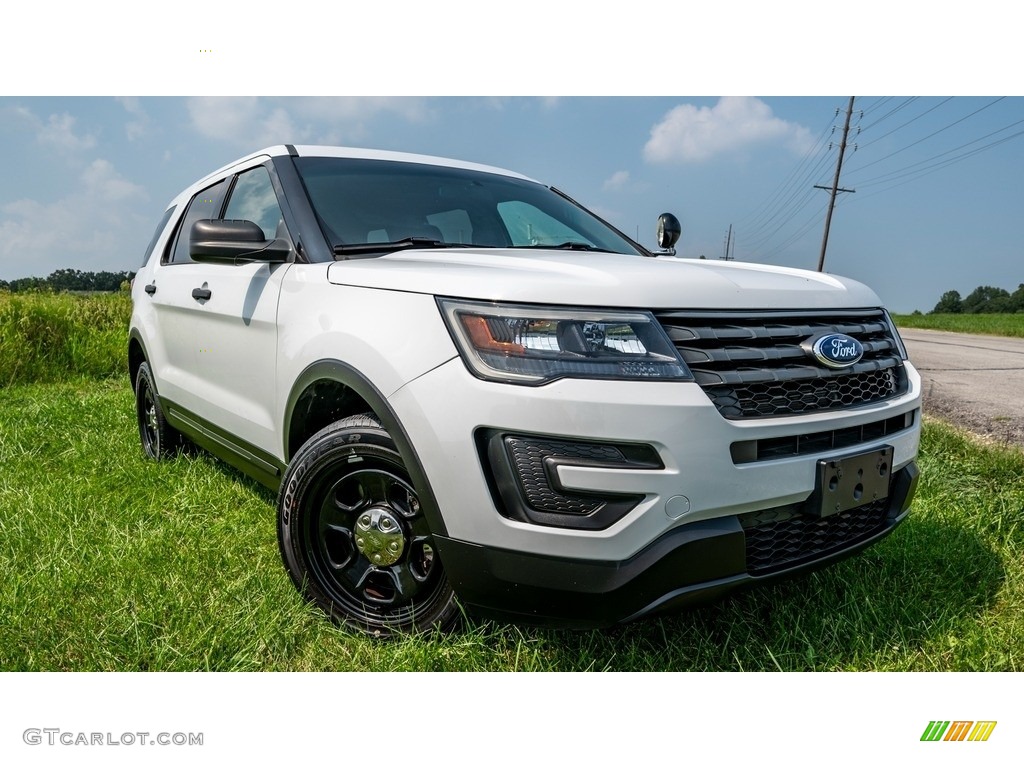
x: 364, y: 202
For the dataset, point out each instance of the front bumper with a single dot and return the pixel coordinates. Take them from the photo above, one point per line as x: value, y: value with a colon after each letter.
x: 681, y: 537
x: 688, y: 565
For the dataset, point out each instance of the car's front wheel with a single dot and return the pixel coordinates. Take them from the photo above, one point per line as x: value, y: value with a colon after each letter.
x: 353, y: 535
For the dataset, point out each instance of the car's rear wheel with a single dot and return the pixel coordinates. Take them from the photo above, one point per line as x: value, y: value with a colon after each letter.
x: 159, y: 439
x: 353, y: 535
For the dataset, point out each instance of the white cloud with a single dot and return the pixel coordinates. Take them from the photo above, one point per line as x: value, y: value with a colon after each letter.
x: 25, y: 115
x: 59, y: 131
x: 90, y: 227
x: 690, y: 134
x: 616, y: 181
x: 234, y: 119
x: 137, y: 127
x: 102, y: 181
x: 253, y: 122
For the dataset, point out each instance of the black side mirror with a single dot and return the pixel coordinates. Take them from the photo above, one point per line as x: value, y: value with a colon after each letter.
x: 669, y: 230
x: 234, y: 240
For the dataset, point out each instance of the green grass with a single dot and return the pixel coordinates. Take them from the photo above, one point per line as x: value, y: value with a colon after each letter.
x: 112, y: 562
x: 995, y: 325
x: 47, y: 337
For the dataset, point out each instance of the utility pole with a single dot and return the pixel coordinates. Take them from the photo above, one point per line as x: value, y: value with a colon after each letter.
x: 835, y: 186
x: 728, y: 242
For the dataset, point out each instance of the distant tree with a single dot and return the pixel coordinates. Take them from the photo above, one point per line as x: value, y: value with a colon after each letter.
x: 999, y: 304
x: 1017, y: 299
x: 29, y: 284
x: 70, y: 280
x: 981, y: 300
x: 950, y: 303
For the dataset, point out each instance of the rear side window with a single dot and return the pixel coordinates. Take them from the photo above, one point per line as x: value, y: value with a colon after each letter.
x: 156, y: 235
x: 205, y: 205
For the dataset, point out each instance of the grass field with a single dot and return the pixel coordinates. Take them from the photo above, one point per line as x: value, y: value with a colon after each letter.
x: 112, y: 562
x: 995, y: 325
x: 54, y: 337
x: 115, y: 563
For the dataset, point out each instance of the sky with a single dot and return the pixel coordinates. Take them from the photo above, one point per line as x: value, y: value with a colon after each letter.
x: 936, y: 202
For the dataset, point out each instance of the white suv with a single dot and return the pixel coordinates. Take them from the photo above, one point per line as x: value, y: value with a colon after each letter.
x: 467, y: 386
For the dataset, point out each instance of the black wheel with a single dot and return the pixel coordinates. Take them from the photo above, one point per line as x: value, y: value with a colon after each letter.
x: 354, y: 538
x: 159, y: 439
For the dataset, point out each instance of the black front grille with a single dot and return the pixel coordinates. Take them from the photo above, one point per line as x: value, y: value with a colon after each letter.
x: 757, y: 366
x: 783, y: 537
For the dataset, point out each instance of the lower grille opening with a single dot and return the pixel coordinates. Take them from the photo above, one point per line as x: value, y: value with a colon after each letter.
x: 746, y: 451
x: 784, y: 537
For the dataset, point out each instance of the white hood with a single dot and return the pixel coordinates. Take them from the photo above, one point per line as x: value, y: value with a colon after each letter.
x: 600, y: 279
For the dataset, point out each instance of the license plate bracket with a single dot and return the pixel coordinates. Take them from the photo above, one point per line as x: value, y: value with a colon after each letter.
x: 851, y: 481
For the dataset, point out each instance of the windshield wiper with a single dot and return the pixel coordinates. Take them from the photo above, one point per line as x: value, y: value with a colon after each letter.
x: 568, y: 245
x: 345, y: 249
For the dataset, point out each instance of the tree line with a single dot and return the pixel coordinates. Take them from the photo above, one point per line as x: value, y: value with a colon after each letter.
x: 985, y: 299
x: 70, y: 280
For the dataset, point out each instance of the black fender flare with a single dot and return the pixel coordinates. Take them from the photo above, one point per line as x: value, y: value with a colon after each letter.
x: 345, y: 374
x: 135, y: 335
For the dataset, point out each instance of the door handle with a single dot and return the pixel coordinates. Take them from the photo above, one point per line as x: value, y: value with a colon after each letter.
x: 200, y: 294
x: 150, y: 289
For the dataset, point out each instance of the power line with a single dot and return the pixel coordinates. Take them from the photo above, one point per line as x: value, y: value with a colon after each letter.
x: 904, y: 125
x: 798, y: 199
x: 805, y: 228
x: 925, y: 138
x: 766, y: 207
x: 876, y: 104
x: 791, y: 207
x: 914, y: 175
x: 779, y: 214
x: 890, y: 113
x: 760, y: 241
x: 879, y: 179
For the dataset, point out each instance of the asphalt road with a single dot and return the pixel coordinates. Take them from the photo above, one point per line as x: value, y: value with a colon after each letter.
x: 974, y: 382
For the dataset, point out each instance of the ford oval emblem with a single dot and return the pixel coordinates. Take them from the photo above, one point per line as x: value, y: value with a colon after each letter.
x: 837, y: 350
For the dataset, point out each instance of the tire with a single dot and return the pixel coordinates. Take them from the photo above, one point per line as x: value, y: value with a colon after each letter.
x: 159, y: 439
x: 354, y: 538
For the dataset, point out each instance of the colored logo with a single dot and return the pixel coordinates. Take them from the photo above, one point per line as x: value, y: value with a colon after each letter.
x: 958, y: 730
x: 837, y: 350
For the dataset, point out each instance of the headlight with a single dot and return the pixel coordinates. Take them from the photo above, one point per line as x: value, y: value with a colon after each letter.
x: 534, y: 344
